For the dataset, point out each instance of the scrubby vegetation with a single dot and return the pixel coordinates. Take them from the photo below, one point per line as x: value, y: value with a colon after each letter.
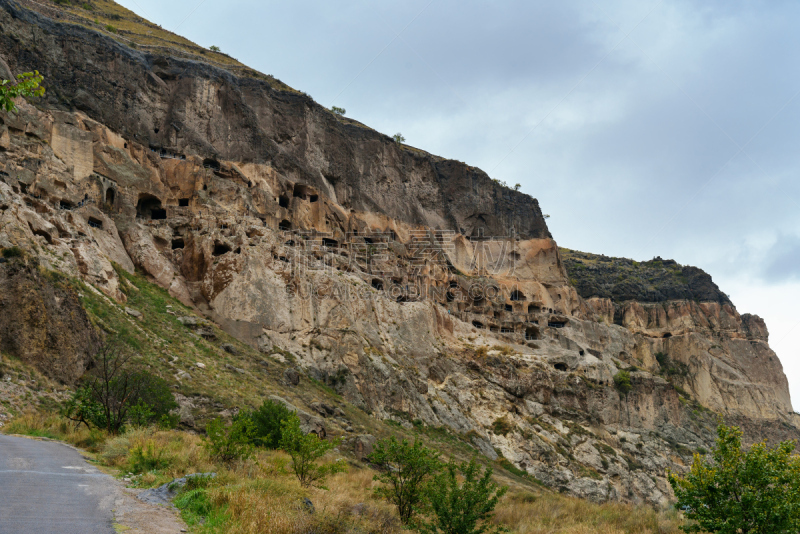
x: 755, y: 490
x: 622, y: 279
x: 116, y: 391
x: 256, y: 488
x: 405, y: 471
x: 262, y: 495
x: 622, y: 381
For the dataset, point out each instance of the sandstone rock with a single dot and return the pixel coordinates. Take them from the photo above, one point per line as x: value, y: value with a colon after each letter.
x: 382, y: 272
x: 363, y: 445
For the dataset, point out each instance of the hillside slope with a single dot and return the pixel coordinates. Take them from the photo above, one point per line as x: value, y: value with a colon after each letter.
x: 418, y: 289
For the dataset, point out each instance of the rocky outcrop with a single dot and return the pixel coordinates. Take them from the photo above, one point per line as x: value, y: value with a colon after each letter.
x: 185, y: 108
x: 622, y: 279
x: 42, y: 322
x: 388, y: 274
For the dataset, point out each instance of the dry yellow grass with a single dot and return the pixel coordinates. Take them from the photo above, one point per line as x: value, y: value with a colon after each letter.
x: 262, y: 496
x: 548, y: 513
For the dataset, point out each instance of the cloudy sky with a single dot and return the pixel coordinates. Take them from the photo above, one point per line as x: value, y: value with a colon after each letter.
x: 645, y: 128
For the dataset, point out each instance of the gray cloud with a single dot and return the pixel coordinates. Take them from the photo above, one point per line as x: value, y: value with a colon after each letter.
x: 783, y: 260
x: 641, y: 158
x: 632, y: 144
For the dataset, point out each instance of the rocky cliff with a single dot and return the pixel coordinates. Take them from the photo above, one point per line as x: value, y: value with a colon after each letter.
x: 418, y: 288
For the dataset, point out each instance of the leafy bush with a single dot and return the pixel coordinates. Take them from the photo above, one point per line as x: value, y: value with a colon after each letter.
x: 305, y: 450
x: 140, y: 415
x: 622, y: 381
x: 754, y: 491
x: 110, y: 28
x: 398, y: 138
x: 155, y: 394
x: 213, y: 48
x: 267, y: 422
x: 405, y: 470
x: 114, y: 392
x: 338, y: 111
x: 466, y: 508
x: 229, y: 443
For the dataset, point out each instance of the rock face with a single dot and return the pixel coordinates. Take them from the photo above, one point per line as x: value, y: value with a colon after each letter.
x: 622, y: 279
x: 390, y: 275
x: 42, y: 323
x: 184, y: 108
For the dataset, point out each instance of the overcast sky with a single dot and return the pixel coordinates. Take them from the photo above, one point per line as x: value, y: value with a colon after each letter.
x: 644, y: 128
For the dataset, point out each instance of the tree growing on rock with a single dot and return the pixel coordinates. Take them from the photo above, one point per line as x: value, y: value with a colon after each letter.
x: 755, y: 491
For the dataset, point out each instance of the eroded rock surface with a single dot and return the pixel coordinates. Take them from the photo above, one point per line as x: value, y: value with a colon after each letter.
x: 416, y: 287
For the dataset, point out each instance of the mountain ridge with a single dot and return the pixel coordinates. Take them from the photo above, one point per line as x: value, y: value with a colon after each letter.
x: 392, y: 277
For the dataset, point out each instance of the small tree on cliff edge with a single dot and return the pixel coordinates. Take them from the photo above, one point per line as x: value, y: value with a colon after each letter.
x: 755, y: 491
x: 28, y: 85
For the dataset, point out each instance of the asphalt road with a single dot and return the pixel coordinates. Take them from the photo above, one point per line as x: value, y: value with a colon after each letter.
x: 46, y: 487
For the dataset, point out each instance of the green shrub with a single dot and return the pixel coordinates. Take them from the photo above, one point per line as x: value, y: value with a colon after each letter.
x: 755, y: 490
x: 229, y: 443
x: 110, y: 28
x: 146, y: 458
x: 338, y: 111
x: 405, y: 470
x: 115, y: 392
x: 622, y: 381
x: 465, y: 508
x: 12, y: 252
x: 155, y: 394
x: 305, y: 450
x: 267, y: 421
x: 502, y: 426
x: 398, y: 138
